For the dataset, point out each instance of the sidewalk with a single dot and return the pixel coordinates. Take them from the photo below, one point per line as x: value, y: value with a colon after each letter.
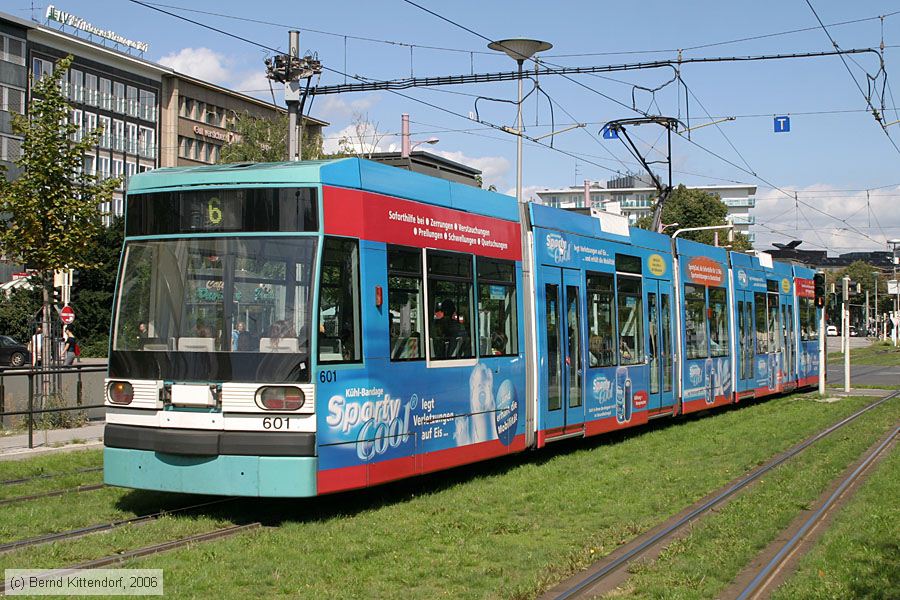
x: 14, y: 447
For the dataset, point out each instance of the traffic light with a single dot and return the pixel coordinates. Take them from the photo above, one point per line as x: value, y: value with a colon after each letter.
x: 819, y: 284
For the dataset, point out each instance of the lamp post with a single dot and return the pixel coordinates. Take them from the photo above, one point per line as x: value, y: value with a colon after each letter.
x: 519, y: 50
x: 405, y: 147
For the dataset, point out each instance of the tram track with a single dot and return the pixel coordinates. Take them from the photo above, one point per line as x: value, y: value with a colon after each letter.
x: 769, y: 569
x: 115, y: 559
x: 612, y: 570
x: 51, y: 493
x: 51, y: 476
x: 101, y: 527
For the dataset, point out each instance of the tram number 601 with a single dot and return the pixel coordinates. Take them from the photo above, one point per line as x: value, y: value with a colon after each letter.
x: 277, y: 423
x: 327, y: 376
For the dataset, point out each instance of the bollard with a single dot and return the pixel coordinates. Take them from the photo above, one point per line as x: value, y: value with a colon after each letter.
x: 31, y: 410
x: 78, y: 389
x: 2, y: 399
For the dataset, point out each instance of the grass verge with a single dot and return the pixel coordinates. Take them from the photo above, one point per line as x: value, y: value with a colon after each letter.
x: 718, y: 547
x: 859, y: 555
x: 510, y: 528
x: 879, y: 354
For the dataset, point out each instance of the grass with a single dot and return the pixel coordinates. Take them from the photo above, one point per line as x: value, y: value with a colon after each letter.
x: 859, y: 555
x: 50, y: 463
x: 878, y: 354
x: 702, y: 564
x: 508, y: 528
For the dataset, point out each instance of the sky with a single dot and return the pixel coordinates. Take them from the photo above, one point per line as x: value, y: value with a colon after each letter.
x: 839, y: 162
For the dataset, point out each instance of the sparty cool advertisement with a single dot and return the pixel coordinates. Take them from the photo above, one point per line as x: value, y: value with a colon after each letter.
x: 368, y: 420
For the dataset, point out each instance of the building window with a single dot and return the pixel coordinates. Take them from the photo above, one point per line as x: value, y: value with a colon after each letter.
x: 406, y: 307
x: 130, y: 169
x: 90, y: 123
x: 89, y: 165
x: 147, y: 142
x: 119, y: 97
x: 40, y: 68
x: 106, y: 133
x: 75, y: 119
x: 212, y: 117
x: 133, y: 101
x: 340, y: 332
x: 119, y: 172
x: 498, y: 333
x: 132, y: 138
x: 10, y: 148
x: 148, y: 105
x: 90, y: 89
x: 12, y: 50
x: 105, y: 93
x: 450, y: 305
x: 12, y: 99
x: 76, y: 85
x: 103, y: 167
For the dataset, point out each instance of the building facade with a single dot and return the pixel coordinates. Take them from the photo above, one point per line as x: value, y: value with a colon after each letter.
x: 633, y: 196
x: 13, y: 88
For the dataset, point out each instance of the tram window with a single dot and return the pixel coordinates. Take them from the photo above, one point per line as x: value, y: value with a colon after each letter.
x: 601, y: 320
x: 497, y: 324
x: 695, y: 320
x: 762, y: 340
x: 775, y: 337
x: 450, y: 305
x: 807, y: 319
x: 628, y: 264
x: 666, y: 321
x: 718, y: 322
x: 631, y: 320
x: 340, y: 333
x: 405, y: 303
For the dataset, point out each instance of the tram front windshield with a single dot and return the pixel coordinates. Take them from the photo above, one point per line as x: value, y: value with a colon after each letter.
x: 215, y: 308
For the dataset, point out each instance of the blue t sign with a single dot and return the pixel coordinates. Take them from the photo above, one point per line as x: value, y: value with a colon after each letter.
x: 782, y: 124
x: 610, y: 133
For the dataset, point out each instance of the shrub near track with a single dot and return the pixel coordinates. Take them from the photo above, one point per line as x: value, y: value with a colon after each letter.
x: 508, y: 528
x: 720, y: 545
x: 859, y: 555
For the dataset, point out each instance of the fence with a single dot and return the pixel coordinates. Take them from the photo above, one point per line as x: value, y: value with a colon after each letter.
x: 45, y: 374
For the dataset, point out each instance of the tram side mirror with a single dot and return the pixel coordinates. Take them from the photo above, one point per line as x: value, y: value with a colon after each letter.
x: 819, y: 286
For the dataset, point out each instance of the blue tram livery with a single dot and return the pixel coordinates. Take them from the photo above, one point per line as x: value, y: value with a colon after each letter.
x: 296, y: 329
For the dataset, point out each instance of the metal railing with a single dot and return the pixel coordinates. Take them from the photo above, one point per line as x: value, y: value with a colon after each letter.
x: 31, y: 373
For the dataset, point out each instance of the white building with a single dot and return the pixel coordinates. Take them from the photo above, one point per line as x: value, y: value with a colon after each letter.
x: 633, y: 196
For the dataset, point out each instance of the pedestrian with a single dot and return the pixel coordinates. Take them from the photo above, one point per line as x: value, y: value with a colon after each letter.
x: 70, y: 346
x: 37, y: 346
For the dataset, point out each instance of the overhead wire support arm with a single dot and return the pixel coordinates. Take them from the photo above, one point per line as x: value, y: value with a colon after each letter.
x: 402, y: 84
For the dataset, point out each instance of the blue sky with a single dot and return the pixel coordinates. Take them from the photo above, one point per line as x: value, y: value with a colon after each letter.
x: 823, y: 155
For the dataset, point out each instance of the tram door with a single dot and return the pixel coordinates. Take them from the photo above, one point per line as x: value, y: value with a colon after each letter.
x: 790, y: 351
x: 776, y: 339
x: 660, y: 319
x: 746, y: 347
x: 562, y: 405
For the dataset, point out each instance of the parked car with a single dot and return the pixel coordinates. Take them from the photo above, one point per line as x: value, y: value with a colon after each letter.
x: 12, y: 353
x: 831, y: 330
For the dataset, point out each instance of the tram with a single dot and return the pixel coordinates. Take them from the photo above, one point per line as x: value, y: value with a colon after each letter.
x: 297, y: 329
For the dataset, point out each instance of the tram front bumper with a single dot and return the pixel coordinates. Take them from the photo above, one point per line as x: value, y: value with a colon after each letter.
x: 208, y: 462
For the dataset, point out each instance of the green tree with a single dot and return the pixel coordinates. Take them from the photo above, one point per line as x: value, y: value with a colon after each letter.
x: 696, y: 208
x: 93, y: 296
x: 51, y: 215
x: 260, y: 139
x: 19, y: 312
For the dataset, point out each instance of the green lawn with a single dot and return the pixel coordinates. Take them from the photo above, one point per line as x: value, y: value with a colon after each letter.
x: 878, y: 354
x: 508, y: 528
x: 859, y: 555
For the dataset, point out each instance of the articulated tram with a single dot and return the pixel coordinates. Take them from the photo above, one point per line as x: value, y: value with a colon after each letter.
x: 296, y: 329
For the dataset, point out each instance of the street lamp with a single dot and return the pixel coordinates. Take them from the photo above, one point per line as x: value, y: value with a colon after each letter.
x: 405, y: 147
x: 431, y: 140
x: 519, y: 50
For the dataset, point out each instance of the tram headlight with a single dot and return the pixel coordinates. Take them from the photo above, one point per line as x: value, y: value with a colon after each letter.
x: 280, y: 397
x: 120, y: 392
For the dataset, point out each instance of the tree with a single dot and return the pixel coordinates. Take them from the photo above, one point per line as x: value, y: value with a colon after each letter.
x: 51, y: 212
x: 263, y: 139
x: 696, y: 208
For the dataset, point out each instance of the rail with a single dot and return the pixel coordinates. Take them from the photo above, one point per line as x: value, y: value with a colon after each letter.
x: 30, y: 373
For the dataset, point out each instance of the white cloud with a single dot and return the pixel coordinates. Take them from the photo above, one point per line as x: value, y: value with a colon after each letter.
x: 851, y: 220
x: 494, y: 169
x: 201, y: 63
x: 257, y: 85
x: 334, y: 106
x: 361, y: 138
